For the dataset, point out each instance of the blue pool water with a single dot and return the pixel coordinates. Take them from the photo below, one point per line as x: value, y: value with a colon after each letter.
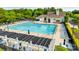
x: 38, y: 28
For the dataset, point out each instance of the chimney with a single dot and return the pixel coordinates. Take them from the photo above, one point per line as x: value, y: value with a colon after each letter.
x: 57, y: 12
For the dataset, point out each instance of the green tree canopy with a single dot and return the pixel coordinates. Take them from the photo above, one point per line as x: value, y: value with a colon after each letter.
x: 75, y: 11
x: 17, y: 14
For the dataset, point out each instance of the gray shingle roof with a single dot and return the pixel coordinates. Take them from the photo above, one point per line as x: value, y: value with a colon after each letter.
x: 52, y: 15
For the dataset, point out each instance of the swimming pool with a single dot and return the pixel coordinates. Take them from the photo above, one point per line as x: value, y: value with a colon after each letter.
x: 35, y: 27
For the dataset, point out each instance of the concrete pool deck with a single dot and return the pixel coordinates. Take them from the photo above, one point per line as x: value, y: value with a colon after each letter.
x: 57, y: 36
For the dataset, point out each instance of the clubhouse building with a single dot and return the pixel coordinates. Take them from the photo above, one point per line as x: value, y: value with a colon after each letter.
x: 51, y: 17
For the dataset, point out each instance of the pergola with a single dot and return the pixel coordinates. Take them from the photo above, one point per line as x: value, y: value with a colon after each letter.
x: 27, y: 38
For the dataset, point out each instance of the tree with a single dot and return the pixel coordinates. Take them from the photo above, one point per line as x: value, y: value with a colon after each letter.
x: 38, y: 12
x: 75, y: 11
x: 52, y: 9
x: 2, y: 12
x: 74, y: 20
x: 17, y: 14
x: 60, y: 10
x: 45, y: 10
x: 66, y: 18
x: 10, y: 16
x: 69, y: 13
x: 27, y: 13
x: 78, y: 21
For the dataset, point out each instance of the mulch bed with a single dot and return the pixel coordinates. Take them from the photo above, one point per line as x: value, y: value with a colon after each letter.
x: 76, y: 34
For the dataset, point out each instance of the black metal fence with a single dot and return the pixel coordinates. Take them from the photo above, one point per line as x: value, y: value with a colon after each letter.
x: 71, y: 39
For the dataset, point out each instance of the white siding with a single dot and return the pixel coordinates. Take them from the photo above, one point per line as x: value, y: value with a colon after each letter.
x: 40, y: 19
x: 52, y: 19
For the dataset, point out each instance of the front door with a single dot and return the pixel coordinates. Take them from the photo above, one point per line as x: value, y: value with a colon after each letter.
x: 45, y: 19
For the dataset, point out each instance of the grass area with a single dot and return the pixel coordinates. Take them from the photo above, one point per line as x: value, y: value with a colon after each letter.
x: 1, y: 49
x: 73, y: 36
x: 60, y: 48
x: 76, y: 32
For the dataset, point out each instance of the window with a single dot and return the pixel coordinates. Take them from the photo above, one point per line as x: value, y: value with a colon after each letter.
x: 37, y: 19
x: 49, y: 20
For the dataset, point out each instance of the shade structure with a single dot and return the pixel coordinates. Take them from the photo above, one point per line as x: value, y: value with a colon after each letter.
x: 27, y: 38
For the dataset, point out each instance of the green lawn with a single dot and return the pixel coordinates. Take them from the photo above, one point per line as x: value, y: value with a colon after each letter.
x: 60, y: 48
